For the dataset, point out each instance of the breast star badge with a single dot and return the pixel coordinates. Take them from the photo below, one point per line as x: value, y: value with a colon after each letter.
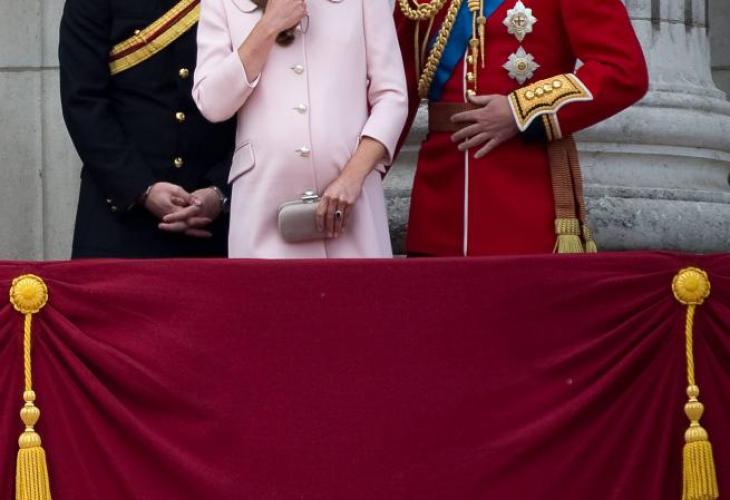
x: 519, y: 20
x: 521, y: 66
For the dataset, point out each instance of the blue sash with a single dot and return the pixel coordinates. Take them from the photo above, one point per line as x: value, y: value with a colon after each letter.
x: 456, y: 46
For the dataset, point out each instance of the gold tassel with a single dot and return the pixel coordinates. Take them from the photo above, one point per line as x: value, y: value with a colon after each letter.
x: 568, y: 232
x: 691, y: 287
x: 29, y: 295
x: 590, y: 243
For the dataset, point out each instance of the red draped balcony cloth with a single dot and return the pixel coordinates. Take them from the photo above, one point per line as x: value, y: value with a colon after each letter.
x: 556, y: 377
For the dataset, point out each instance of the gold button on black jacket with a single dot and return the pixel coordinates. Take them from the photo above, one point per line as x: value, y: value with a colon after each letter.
x: 133, y: 129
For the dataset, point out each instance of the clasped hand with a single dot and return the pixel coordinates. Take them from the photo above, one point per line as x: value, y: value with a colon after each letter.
x: 488, y: 126
x: 183, y: 212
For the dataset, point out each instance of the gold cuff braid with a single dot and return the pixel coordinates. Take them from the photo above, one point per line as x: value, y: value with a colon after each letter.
x: 546, y: 97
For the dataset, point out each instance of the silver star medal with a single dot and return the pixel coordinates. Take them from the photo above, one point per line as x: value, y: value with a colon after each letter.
x: 521, y: 66
x: 519, y: 20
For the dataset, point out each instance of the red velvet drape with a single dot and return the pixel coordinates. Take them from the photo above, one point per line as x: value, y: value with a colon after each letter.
x: 530, y: 378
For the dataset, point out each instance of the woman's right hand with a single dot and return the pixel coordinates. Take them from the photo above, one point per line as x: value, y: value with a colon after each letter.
x: 282, y: 15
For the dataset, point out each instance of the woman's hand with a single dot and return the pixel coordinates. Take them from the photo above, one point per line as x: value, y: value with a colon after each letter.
x: 335, y: 207
x: 281, y: 15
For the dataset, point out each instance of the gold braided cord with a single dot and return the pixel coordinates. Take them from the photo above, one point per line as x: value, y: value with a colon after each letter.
x: 437, y: 52
x: 29, y: 295
x: 423, y: 11
x: 691, y: 287
x: 482, y: 21
x: 475, y: 7
x: 27, y: 360
x: 689, y: 344
x: 425, y: 39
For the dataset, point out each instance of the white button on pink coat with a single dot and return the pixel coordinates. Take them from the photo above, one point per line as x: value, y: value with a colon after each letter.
x: 301, y: 120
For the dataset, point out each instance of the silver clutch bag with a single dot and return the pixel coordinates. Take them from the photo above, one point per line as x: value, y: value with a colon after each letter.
x: 297, y: 219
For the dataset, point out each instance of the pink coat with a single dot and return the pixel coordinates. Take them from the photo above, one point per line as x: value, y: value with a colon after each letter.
x: 302, y: 119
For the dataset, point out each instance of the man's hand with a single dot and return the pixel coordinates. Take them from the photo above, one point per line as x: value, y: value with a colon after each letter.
x: 192, y: 220
x: 490, y: 125
x: 165, y: 198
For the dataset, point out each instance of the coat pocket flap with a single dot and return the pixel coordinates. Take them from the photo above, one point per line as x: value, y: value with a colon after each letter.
x: 243, y: 161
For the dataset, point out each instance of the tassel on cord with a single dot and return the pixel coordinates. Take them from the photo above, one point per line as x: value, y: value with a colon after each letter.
x: 590, y: 242
x: 567, y: 223
x: 568, y: 233
x: 29, y: 295
x: 691, y: 287
x: 580, y: 201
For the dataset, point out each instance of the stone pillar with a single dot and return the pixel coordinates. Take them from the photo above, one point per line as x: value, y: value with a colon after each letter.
x: 720, y: 40
x: 39, y: 185
x: 656, y: 174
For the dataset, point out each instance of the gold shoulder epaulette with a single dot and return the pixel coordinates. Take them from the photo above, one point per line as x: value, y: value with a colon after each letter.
x: 546, y: 96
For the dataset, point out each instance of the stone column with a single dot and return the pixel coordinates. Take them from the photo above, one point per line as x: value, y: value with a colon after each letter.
x: 39, y: 167
x: 720, y: 40
x: 656, y: 174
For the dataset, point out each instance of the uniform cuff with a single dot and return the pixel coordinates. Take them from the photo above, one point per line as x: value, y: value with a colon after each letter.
x: 546, y: 97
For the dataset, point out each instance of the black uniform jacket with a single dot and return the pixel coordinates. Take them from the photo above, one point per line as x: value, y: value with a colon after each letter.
x: 134, y: 129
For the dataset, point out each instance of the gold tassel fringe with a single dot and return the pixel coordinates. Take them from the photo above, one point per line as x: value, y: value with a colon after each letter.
x: 29, y: 295
x: 31, y: 476
x: 691, y: 287
x: 590, y: 243
x: 700, y: 476
x: 568, y: 233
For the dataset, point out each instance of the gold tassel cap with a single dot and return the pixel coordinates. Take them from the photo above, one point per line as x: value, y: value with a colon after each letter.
x: 568, y: 233
x: 691, y: 287
x: 29, y: 295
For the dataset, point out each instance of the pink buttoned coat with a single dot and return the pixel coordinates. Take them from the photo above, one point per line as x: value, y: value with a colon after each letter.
x: 302, y: 118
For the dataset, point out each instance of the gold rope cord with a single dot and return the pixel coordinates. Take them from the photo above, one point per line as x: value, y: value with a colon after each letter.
x: 28, y: 295
x: 425, y: 39
x: 580, y: 201
x: 691, y: 287
x: 437, y: 52
x: 425, y: 72
x: 472, y: 76
x: 422, y: 11
x: 567, y: 225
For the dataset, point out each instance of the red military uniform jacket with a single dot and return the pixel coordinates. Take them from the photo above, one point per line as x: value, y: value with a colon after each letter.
x: 503, y: 203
